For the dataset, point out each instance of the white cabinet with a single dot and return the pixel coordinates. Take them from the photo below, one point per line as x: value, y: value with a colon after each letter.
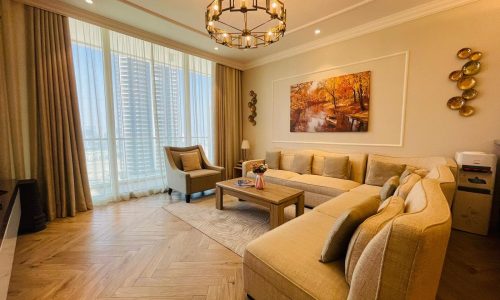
x: 471, y: 212
x: 473, y: 201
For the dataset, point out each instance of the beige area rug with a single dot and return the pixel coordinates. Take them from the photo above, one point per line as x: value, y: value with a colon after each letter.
x: 234, y: 227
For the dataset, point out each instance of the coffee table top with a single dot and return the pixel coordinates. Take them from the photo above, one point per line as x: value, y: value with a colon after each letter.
x: 273, y: 193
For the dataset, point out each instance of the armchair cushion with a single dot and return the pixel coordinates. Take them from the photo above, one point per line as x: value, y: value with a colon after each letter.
x: 176, y: 155
x: 202, y: 173
x: 190, y: 161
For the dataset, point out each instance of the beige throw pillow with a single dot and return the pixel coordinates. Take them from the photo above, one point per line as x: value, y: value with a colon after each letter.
x: 302, y: 163
x: 406, y: 185
x: 367, y: 230
x: 379, y: 171
x: 336, y: 166
x: 389, y: 187
x: 410, y: 169
x: 190, y: 161
x: 338, y: 239
x: 273, y: 159
x: 286, y: 161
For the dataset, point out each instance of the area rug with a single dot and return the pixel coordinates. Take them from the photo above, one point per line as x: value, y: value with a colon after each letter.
x: 234, y: 227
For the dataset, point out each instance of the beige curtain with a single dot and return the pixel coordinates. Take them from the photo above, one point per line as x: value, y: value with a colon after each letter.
x: 228, y: 117
x: 55, y: 120
x: 13, y: 156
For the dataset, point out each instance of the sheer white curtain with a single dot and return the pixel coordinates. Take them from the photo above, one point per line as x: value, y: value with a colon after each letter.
x: 137, y: 97
x: 201, y: 104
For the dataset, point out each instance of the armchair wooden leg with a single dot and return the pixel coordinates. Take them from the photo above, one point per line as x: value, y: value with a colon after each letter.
x: 188, y: 198
x: 169, y: 191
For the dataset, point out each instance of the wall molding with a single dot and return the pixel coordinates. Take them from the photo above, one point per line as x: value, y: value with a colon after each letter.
x: 411, y: 14
x: 406, y: 54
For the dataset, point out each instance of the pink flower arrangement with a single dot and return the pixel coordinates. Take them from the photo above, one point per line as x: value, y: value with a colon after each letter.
x: 259, y: 168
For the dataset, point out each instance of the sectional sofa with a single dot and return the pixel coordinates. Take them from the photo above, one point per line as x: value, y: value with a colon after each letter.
x: 403, y: 260
x: 319, y: 189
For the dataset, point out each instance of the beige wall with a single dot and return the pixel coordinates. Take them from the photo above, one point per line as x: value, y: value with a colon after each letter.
x: 430, y: 127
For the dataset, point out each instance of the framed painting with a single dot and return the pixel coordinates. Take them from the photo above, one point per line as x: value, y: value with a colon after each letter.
x: 335, y: 104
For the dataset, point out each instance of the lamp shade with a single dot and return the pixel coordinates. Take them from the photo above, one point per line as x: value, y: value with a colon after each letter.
x: 245, y: 144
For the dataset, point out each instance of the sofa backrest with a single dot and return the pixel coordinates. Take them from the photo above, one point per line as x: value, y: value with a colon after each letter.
x: 441, y: 168
x: 357, y: 162
x: 404, y: 260
x: 424, y: 162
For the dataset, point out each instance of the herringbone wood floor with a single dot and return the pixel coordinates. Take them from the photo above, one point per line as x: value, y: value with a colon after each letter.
x: 133, y: 249
x: 137, y: 250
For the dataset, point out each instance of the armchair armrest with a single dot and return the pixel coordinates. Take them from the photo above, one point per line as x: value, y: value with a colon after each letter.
x: 179, y: 180
x: 246, y: 166
x: 217, y: 168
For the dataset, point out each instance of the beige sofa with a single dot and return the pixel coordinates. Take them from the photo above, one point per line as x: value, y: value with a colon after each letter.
x: 319, y: 189
x: 403, y: 260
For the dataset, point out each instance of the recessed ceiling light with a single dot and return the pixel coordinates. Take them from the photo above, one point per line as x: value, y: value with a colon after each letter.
x: 90, y: 1
x: 317, y: 31
x: 216, y: 48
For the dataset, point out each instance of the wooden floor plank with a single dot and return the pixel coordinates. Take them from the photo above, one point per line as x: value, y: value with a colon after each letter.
x: 137, y: 250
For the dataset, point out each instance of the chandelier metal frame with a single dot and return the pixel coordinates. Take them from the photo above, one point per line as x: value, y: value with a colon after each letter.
x: 245, y: 38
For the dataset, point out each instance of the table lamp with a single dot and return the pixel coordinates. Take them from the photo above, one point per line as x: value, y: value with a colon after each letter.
x: 245, y: 145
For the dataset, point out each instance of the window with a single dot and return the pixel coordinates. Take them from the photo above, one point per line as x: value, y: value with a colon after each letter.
x: 136, y: 97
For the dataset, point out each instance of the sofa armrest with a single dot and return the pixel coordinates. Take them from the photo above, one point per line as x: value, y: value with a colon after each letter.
x: 217, y: 168
x: 444, y: 175
x: 246, y: 166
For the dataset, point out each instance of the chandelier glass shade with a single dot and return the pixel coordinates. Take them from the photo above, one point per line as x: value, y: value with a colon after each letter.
x: 247, y: 34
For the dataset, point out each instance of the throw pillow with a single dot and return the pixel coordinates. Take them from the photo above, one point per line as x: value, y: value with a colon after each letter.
x: 336, y: 166
x: 367, y: 230
x: 379, y: 171
x: 273, y: 159
x: 389, y: 187
x: 302, y: 163
x: 406, y: 185
x: 286, y: 161
x: 338, y: 239
x: 190, y: 161
x: 410, y: 169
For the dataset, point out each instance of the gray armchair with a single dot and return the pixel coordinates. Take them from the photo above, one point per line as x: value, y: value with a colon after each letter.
x: 191, y: 181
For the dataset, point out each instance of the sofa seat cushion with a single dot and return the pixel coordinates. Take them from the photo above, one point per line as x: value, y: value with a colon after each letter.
x: 299, y: 241
x: 278, y: 174
x: 337, y: 206
x: 322, y: 185
x: 202, y: 173
x: 371, y: 190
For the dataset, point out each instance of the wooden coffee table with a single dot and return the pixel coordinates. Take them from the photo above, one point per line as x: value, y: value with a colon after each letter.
x: 273, y: 196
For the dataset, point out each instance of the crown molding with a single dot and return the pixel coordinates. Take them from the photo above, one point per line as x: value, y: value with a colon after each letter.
x: 163, y: 17
x: 411, y: 14
x: 337, y: 13
x: 69, y: 10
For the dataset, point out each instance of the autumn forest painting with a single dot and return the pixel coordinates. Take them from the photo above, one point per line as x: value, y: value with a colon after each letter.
x: 335, y: 104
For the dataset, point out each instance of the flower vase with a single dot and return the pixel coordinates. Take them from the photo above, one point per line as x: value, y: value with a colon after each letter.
x: 259, y: 181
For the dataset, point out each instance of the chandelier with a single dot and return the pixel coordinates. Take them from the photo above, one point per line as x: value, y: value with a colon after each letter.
x: 247, y: 35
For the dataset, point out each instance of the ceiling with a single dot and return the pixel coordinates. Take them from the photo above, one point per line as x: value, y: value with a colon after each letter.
x: 183, y: 21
